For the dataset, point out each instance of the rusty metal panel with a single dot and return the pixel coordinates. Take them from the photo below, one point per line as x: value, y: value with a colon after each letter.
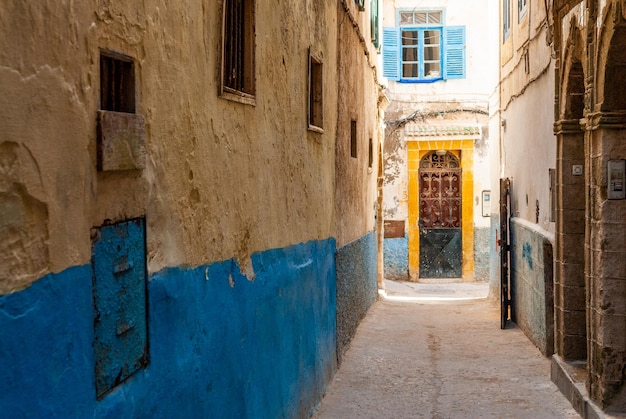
x: 440, y: 253
x: 119, y: 294
x: 394, y: 229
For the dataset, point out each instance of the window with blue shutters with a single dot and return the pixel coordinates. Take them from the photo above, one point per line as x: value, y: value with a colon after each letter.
x: 422, y: 49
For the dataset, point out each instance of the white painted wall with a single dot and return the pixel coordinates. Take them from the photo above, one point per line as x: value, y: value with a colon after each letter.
x: 481, y: 54
x: 477, y: 91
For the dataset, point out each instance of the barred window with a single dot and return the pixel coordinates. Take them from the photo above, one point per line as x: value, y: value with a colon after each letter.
x: 316, y: 100
x: 353, y: 139
x: 238, y: 48
x: 117, y: 83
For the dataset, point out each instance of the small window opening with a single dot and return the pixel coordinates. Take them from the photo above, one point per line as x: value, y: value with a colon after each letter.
x: 370, y: 160
x: 316, y: 103
x: 522, y: 8
x: 117, y: 83
x: 506, y: 19
x: 238, y: 39
x: 353, y: 139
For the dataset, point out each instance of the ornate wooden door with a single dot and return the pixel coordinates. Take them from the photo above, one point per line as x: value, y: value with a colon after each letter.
x: 440, y: 216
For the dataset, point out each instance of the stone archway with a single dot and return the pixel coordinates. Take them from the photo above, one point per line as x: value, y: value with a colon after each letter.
x: 570, y: 290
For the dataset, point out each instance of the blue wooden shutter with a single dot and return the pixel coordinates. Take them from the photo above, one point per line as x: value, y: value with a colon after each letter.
x: 391, y: 53
x: 454, y: 40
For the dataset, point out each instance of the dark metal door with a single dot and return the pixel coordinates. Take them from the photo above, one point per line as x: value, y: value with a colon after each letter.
x: 503, y: 243
x: 440, y: 216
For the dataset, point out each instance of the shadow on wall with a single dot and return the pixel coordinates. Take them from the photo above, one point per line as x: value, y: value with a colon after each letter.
x: 357, y: 288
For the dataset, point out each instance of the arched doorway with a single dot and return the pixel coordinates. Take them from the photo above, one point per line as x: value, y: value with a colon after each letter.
x: 463, y: 151
x: 570, y: 306
x: 440, y: 216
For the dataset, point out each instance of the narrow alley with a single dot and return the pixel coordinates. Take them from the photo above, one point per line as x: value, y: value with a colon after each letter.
x: 437, y: 351
x: 200, y: 200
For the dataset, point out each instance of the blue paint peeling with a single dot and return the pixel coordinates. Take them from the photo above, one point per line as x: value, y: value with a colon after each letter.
x: 356, y: 286
x: 396, y: 257
x: 531, y: 272
x: 527, y: 255
x: 262, y: 348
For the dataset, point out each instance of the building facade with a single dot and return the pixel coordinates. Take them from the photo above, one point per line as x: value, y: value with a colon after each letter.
x: 527, y: 156
x: 590, y: 260
x: 439, y: 59
x: 172, y: 237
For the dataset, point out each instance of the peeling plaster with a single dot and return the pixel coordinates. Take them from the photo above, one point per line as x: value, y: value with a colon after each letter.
x: 23, y: 219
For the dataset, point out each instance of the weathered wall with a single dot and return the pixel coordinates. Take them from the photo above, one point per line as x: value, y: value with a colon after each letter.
x: 530, y: 181
x: 396, y: 170
x: 454, y: 102
x: 532, y: 283
x: 396, y: 257
x: 527, y: 95
x: 589, y: 41
x: 220, y: 345
x: 482, y: 246
x: 197, y: 142
x: 355, y: 193
x: 526, y: 153
x: 356, y: 287
x: 239, y: 202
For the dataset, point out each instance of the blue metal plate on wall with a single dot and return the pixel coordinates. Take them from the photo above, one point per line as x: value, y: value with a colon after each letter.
x: 119, y: 294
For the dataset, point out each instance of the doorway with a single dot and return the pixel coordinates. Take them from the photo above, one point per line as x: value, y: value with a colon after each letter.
x: 460, y: 153
x: 440, y: 215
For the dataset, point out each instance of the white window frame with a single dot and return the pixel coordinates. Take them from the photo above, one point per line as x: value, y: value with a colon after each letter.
x: 506, y: 20
x: 522, y: 9
x: 421, y: 27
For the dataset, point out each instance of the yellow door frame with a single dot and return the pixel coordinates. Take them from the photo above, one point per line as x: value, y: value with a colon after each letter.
x: 464, y: 149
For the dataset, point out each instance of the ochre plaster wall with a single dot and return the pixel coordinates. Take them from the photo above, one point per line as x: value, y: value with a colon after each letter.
x: 355, y: 193
x: 209, y: 189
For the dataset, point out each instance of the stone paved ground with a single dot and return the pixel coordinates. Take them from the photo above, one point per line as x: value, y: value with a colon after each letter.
x: 427, y: 354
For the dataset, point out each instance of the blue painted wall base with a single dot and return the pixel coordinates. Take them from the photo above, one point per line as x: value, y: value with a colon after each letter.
x: 221, y: 346
x: 396, y: 257
x: 356, y: 286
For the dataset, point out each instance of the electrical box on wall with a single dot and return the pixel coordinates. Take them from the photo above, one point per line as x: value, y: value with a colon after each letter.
x: 616, y: 179
x: 486, y: 204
